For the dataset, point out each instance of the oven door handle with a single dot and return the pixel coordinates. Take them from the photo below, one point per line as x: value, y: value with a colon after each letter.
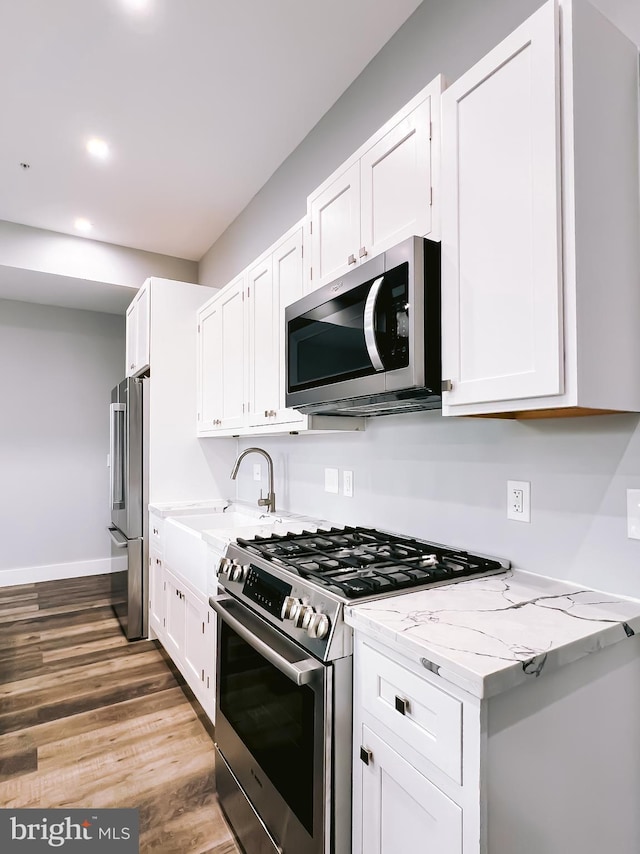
x: 300, y: 672
x: 369, y: 325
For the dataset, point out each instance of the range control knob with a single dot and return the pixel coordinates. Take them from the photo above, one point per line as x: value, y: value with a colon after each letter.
x: 318, y: 626
x: 302, y: 616
x: 224, y: 565
x: 289, y: 606
x: 238, y: 572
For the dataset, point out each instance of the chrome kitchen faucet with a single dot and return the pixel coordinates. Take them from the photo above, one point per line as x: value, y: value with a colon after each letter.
x: 270, y: 500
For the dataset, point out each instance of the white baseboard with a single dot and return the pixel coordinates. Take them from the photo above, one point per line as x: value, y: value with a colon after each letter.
x: 54, y: 571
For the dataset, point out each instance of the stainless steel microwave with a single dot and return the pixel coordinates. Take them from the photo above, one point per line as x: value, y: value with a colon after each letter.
x: 369, y: 343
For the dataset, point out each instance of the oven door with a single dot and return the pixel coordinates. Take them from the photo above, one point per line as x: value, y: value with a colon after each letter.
x: 273, y: 729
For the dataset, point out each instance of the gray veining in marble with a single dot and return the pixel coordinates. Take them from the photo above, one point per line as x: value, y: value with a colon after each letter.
x: 489, y: 634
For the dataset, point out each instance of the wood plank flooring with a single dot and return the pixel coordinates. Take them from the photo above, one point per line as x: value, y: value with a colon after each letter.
x: 90, y: 720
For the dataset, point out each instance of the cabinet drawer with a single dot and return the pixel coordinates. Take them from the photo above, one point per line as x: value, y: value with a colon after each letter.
x: 427, y: 719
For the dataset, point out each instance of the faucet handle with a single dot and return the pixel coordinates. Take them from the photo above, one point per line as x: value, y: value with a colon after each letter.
x: 263, y: 502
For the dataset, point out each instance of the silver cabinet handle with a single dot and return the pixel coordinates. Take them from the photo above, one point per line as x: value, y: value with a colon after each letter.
x: 363, y: 252
x: 369, y: 319
x: 351, y: 259
x: 366, y: 755
x: 402, y: 705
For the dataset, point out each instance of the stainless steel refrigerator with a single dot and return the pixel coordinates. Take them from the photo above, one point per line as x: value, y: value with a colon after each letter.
x: 128, y: 498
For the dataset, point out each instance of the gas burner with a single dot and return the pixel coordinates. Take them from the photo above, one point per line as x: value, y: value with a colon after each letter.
x: 355, y: 563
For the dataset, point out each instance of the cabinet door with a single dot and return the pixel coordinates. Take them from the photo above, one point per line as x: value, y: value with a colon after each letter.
x: 143, y: 318
x: 400, y: 810
x: 157, y: 595
x: 131, y: 338
x: 174, y: 615
x: 335, y: 227
x: 233, y: 356
x: 209, y: 367
x: 395, y: 177
x: 262, y: 328
x: 288, y: 283
x: 501, y: 245
x: 195, y: 654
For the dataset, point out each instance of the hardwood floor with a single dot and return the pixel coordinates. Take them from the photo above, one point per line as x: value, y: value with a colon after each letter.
x: 90, y: 720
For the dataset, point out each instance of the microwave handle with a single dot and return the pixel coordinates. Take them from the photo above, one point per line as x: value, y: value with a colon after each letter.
x: 369, y: 321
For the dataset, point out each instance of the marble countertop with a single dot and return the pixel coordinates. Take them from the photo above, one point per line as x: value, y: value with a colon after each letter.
x: 187, y: 508
x: 490, y: 634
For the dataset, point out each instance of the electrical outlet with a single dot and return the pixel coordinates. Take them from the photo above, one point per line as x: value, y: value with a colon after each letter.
x: 633, y: 514
x: 257, y: 471
x: 347, y: 484
x: 519, y: 500
x: 331, y: 481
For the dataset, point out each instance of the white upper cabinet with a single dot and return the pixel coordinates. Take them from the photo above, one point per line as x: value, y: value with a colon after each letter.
x: 334, y: 222
x: 137, y: 332
x: 241, y: 350
x: 222, y: 360
x: 540, y: 220
x: 385, y: 192
x: 262, y: 327
x: 396, y: 181
x: 288, y: 287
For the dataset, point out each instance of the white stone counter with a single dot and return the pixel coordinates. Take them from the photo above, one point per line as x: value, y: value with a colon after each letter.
x: 489, y: 634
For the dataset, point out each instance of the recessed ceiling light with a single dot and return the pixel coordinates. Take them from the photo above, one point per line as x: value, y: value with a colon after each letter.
x: 83, y: 224
x: 98, y: 148
x: 137, y: 5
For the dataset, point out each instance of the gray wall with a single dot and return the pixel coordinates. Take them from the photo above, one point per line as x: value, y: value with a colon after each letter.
x: 445, y: 479
x: 442, y: 36
x: 57, y: 368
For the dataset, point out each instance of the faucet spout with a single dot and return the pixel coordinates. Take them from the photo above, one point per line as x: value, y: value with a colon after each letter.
x: 270, y: 500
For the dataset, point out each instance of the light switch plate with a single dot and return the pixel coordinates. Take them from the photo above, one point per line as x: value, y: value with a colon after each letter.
x: 633, y: 514
x: 347, y: 483
x: 257, y: 471
x: 331, y: 481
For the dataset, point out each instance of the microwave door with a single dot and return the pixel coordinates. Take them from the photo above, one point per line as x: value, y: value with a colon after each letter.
x: 328, y: 346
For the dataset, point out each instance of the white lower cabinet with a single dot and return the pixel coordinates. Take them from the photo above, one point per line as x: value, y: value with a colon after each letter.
x: 156, y: 594
x: 156, y: 576
x: 185, y: 625
x: 401, y: 810
x: 549, y: 766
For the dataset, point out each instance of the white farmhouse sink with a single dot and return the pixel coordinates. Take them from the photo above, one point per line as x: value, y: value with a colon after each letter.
x: 193, y: 544
x: 215, y: 521
x: 185, y: 548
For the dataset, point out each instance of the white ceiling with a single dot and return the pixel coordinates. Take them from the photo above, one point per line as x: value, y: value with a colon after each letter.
x: 200, y: 101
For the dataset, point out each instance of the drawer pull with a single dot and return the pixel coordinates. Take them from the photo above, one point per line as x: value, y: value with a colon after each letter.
x: 366, y: 755
x: 402, y: 705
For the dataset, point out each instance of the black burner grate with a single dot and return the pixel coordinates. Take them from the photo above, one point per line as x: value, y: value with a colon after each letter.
x: 359, y: 562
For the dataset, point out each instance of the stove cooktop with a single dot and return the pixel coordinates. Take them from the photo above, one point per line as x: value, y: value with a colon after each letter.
x: 364, y: 562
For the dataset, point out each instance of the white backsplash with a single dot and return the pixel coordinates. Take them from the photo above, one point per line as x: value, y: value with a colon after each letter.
x: 444, y: 479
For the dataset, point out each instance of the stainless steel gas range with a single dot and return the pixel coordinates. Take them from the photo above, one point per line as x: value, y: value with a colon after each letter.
x: 284, y: 674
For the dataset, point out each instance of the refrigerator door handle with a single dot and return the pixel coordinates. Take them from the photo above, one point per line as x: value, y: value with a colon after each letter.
x: 116, y: 450
x: 119, y: 541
